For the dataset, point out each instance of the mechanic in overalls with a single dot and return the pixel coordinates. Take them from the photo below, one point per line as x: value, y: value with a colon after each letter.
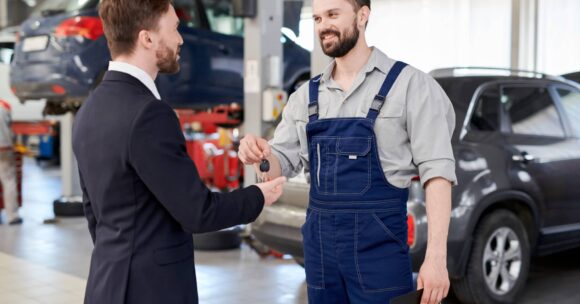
x: 364, y: 128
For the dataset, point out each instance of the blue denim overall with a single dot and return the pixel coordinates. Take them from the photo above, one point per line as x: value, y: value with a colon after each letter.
x: 355, y: 235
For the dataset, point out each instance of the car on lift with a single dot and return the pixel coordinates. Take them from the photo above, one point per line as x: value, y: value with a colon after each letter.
x: 517, y: 150
x: 42, y: 146
x: 30, y: 111
x: 62, y: 55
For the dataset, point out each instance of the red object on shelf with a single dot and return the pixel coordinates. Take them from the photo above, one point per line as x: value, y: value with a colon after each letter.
x: 216, y: 161
x: 200, y: 158
x: 217, y: 166
x: 211, y: 120
x: 32, y: 128
x: 18, y: 157
x: 226, y: 170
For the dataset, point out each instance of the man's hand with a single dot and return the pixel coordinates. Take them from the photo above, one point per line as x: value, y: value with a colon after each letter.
x: 272, y: 190
x: 253, y: 149
x: 434, y: 280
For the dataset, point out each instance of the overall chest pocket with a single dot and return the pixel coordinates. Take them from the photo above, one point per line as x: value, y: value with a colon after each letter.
x: 352, y: 171
x: 341, y: 165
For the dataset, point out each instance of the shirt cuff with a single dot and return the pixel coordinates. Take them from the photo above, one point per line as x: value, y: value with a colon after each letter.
x: 444, y: 168
x: 285, y: 166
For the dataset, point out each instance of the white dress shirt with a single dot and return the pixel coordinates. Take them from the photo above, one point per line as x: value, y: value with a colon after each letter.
x: 137, y: 73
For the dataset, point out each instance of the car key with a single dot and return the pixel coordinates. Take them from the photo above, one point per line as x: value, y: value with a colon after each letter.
x: 264, y: 168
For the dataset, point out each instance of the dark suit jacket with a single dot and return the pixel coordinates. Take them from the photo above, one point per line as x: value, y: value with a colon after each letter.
x: 143, y: 197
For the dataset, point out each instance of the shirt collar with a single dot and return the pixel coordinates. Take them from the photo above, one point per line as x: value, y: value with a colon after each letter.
x: 137, y: 73
x: 377, y: 60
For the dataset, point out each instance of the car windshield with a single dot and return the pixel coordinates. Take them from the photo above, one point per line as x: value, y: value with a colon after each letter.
x: 221, y: 19
x: 60, y: 6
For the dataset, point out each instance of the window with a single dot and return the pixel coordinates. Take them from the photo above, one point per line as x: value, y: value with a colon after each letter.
x: 485, y: 116
x: 6, y: 52
x: 186, y: 11
x: 531, y: 111
x: 221, y: 20
x: 571, y: 102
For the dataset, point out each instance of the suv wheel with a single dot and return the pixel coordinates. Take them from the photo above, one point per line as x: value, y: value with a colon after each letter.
x: 499, y: 261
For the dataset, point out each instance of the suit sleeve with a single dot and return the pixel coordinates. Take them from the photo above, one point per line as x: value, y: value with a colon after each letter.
x: 88, y: 210
x: 158, y: 155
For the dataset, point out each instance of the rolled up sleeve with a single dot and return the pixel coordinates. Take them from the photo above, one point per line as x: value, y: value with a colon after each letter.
x: 430, y: 124
x: 286, y: 142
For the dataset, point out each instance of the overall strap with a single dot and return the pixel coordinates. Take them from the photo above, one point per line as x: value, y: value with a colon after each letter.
x: 313, y: 96
x: 379, y: 100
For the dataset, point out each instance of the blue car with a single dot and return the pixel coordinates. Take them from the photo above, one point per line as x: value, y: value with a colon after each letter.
x: 62, y: 54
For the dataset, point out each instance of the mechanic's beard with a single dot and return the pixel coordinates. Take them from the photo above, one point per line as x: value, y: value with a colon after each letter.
x: 167, y: 62
x: 342, y: 46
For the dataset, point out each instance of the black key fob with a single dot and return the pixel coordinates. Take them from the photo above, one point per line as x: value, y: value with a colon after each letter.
x: 264, y: 165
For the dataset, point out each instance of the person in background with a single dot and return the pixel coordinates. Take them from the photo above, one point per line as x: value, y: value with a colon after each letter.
x: 8, y: 165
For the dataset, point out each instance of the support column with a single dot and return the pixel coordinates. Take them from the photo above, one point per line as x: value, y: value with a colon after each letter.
x: 524, y: 35
x: 263, y: 65
x: 318, y: 60
x: 70, y: 203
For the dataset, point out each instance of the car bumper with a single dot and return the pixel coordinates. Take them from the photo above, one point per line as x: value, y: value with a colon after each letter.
x: 49, y: 80
x: 279, y: 227
x: 458, y: 243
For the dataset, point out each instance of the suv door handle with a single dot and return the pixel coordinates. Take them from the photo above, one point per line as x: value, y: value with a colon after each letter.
x: 224, y: 49
x: 523, y: 157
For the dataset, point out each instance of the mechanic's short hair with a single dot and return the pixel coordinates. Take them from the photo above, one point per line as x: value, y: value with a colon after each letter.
x: 357, y: 4
x: 124, y: 19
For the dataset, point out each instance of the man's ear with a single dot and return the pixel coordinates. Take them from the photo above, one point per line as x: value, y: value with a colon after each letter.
x: 363, y: 16
x: 145, y: 39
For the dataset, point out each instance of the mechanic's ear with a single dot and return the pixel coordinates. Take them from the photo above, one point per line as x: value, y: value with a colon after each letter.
x: 363, y: 16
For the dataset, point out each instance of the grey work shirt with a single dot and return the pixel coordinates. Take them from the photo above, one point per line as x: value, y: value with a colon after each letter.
x: 413, y: 129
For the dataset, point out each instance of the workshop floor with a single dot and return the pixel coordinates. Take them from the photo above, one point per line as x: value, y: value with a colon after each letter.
x: 48, y: 263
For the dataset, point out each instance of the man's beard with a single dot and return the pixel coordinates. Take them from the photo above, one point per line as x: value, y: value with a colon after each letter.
x: 343, y: 45
x: 167, y: 60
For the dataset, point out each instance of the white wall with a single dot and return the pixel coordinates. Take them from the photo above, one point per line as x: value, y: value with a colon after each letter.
x: 442, y: 33
x: 559, y: 36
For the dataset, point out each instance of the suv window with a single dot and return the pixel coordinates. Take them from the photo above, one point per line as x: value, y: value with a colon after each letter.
x: 571, y: 102
x: 531, y: 111
x: 186, y: 11
x: 6, y: 52
x: 221, y: 20
x: 485, y: 116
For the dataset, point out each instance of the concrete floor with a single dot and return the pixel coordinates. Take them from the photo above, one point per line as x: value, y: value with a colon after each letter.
x: 63, y: 250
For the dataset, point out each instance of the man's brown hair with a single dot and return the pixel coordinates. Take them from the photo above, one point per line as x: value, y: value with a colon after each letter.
x: 124, y: 19
x: 357, y: 4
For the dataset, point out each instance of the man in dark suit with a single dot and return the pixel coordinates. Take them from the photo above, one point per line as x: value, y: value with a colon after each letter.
x: 142, y: 195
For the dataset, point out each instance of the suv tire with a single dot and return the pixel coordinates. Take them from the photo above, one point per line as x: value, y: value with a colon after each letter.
x: 495, y: 274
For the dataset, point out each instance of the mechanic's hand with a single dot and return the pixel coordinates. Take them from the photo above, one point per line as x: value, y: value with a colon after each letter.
x: 253, y: 149
x: 434, y: 280
x: 272, y: 190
